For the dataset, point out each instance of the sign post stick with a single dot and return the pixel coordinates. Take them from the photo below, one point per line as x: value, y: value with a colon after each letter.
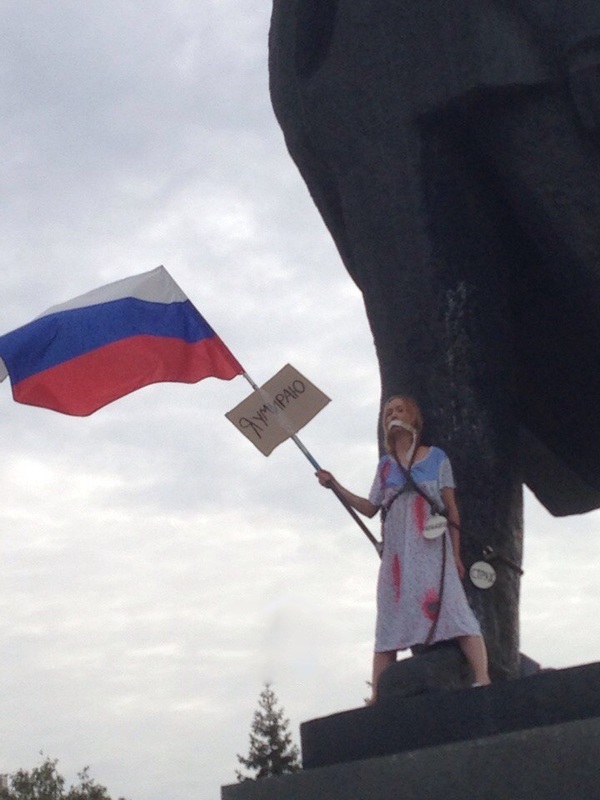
x: 315, y: 464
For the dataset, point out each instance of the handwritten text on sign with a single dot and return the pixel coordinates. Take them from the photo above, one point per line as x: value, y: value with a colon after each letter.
x: 278, y: 410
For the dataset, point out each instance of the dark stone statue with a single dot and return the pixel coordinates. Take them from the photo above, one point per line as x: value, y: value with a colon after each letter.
x: 453, y: 151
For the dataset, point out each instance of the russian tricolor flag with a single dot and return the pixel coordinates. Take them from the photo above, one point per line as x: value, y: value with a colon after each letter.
x: 81, y: 355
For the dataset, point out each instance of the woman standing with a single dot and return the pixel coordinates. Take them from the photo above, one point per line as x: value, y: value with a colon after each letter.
x: 420, y: 598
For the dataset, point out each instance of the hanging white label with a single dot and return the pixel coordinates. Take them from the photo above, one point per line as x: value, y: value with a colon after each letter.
x: 435, y: 526
x: 483, y: 575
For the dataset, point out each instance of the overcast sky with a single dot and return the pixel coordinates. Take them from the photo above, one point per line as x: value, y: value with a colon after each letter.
x: 156, y: 568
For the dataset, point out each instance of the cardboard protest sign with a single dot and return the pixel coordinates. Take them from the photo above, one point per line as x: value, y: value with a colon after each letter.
x: 278, y: 410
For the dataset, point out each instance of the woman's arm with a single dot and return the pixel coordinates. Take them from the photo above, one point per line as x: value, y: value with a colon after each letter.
x: 359, y: 503
x: 449, y: 500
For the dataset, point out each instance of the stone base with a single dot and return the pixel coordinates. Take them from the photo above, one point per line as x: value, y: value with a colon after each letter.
x: 398, y: 724
x: 556, y: 762
x: 536, y: 738
x: 432, y: 669
x: 441, y: 667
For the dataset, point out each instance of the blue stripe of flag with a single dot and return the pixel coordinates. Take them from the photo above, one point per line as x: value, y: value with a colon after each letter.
x: 55, y: 338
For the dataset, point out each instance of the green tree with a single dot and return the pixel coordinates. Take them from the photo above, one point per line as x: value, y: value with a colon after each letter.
x: 271, y: 749
x: 46, y: 783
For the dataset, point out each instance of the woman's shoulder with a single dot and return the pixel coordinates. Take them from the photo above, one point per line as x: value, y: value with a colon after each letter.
x: 437, y: 454
x: 435, y: 449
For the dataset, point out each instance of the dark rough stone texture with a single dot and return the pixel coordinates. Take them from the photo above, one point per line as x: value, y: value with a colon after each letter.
x: 398, y: 724
x: 439, y: 668
x: 558, y: 762
x: 451, y: 149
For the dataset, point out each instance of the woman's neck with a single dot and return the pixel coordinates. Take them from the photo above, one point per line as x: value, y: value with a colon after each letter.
x: 403, y: 444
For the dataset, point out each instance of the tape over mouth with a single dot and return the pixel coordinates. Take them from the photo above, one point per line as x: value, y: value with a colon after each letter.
x: 400, y: 423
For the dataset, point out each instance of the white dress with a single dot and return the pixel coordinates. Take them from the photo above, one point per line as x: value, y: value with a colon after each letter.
x: 408, y: 588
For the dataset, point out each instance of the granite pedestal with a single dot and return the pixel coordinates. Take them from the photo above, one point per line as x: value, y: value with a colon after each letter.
x: 536, y: 738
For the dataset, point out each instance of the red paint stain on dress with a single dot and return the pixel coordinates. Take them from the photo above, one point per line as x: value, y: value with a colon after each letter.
x: 397, y: 577
x: 420, y: 512
x: 431, y: 604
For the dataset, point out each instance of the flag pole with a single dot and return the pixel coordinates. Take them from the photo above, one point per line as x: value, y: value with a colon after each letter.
x: 315, y: 464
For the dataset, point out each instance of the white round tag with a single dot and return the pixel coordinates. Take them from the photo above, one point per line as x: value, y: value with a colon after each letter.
x: 482, y: 574
x: 435, y: 526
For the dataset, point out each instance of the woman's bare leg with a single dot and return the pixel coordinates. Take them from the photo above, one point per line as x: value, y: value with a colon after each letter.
x: 381, y: 661
x: 475, y: 652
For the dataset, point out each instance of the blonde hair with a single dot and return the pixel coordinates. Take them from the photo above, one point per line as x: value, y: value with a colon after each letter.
x: 413, y: 408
